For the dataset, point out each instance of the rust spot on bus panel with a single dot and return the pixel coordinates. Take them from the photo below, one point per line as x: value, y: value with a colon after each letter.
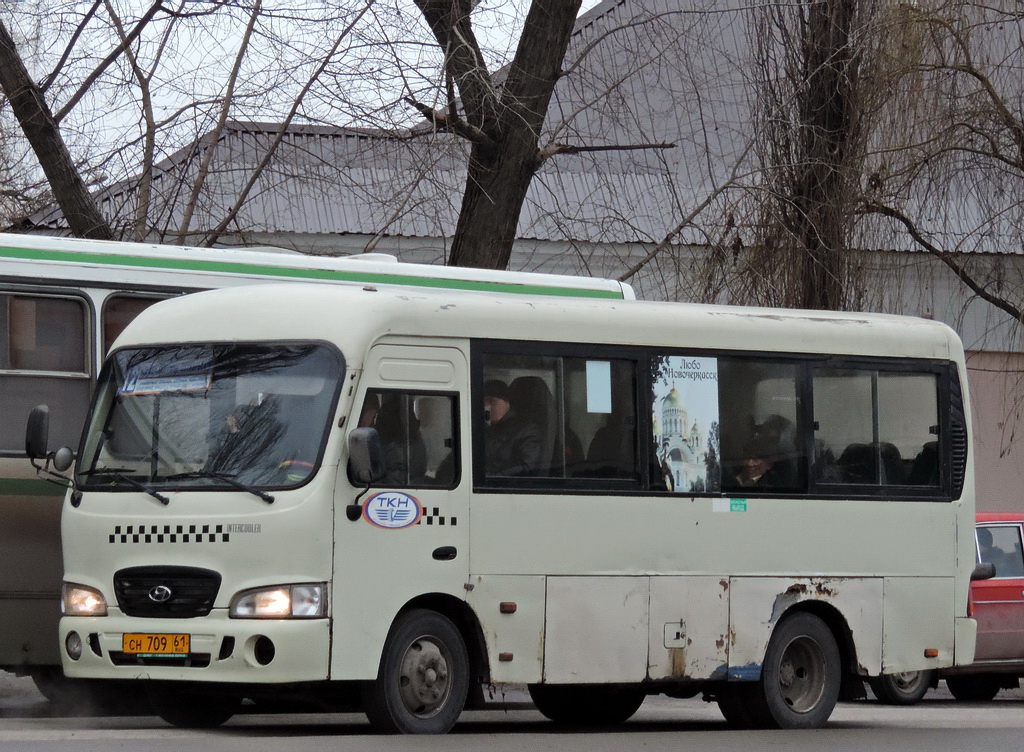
x: 677, y: 657
x: 724, y: 584
x: 822, y: 590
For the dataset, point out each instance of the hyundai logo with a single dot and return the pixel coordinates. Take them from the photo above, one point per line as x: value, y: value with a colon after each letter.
x: 160, y: 594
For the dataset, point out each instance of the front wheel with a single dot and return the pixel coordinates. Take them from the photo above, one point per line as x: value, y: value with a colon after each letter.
x: 586, y: 705
x: 423, y: 681
x: 979, y: 688
x: 906, y: 688
x: 187, y: 705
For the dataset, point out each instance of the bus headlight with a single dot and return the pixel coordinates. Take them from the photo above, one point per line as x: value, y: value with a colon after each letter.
x: 79, y: 600
x: 306, y: 601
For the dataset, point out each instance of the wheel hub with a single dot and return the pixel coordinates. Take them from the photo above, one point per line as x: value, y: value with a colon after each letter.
x: 802, y: 674
x: 423, y: 677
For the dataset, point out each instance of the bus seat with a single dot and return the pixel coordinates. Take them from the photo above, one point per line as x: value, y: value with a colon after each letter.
x: 531, y: 399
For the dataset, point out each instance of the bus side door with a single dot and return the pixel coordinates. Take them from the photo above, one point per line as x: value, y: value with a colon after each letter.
x: 411, y: 537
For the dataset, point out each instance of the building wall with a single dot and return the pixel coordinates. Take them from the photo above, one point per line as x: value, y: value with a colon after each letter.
x: 996, y: 382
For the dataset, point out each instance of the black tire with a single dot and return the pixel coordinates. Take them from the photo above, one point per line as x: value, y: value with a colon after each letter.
x: 738, y: 703
x: 423, y: 680
x: 192, y: 706
x: 586, y: 705
x: 980, y: 688
x: 905, y: 688
x: 800, y: 677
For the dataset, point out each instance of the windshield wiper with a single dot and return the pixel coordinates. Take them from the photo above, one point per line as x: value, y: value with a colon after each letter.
x: 118, y: 474
x: 227, y: 479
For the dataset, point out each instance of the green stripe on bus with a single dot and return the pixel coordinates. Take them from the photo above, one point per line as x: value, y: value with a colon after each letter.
x: 234, y: 267
x: 29, y: 487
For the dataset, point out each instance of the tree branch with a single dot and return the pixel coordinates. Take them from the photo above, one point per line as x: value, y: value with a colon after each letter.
x: 553, y: 150
x: 872, y: 207
x: 108, y: 60
x: 451, y: 123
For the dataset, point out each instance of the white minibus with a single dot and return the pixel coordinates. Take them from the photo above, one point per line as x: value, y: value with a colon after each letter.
x: 391, y: 499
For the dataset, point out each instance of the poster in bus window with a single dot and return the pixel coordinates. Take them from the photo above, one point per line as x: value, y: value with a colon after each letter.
x: 685, y: 420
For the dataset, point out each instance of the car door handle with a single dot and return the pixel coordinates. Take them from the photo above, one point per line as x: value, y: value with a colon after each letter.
x: 445, y: 553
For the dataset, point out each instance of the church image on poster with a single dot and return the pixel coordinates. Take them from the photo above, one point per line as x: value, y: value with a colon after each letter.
x: 685, y: 423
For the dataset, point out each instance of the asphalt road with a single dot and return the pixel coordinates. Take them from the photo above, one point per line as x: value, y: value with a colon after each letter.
x: 27, y: 724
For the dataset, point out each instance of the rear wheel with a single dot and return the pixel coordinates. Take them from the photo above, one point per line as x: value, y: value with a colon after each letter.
x: 980, y: 688
x: 423, y: 681
x: 800, y: 678
x: 906, y: 688
x: 586, y: 705
x: 739, y: 705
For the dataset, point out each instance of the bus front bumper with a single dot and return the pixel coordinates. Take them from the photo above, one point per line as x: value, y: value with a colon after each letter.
x: 213, y: 648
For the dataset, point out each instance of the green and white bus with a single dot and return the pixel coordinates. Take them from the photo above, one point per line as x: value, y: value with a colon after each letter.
x: 62, y: 303
x: 314, y: 489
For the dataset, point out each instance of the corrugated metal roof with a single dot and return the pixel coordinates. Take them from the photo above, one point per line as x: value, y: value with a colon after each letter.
x: 640, y: 71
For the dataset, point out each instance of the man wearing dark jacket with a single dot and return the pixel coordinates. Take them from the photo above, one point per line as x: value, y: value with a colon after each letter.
x: 512, y: 445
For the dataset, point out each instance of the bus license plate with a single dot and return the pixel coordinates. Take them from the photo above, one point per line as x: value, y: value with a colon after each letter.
x: 155, y: 644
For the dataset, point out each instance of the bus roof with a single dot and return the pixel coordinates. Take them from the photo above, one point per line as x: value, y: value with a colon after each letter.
x: 42, y: 257
x: 353, y: 317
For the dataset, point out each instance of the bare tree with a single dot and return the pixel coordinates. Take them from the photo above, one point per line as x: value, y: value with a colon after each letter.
x: 40, y: 128
x: 502, y: 125
x: 955, y: 140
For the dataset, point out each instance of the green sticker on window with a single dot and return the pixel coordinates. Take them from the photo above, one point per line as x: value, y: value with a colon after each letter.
x: 738, y: 505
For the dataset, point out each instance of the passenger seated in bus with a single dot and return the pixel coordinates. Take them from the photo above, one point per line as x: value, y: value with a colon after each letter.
x: 762, y: 465
x: 512, y: 444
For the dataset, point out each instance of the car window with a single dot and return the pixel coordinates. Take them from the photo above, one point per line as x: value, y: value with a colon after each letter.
x: 1001, y: 545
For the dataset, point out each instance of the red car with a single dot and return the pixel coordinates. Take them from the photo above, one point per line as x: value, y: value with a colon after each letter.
x: 999, y: 611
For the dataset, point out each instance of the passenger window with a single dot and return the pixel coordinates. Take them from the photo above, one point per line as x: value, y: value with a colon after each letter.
x: 601, y: 429
x: 876, y: 428
x: 44, y: 347
x: 762, y: 449
x: 521, y: 417
x: 559, y: 418
x: 119, y: 311
x: 417, y: 431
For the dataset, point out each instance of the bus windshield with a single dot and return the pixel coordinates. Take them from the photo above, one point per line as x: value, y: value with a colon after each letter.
x: 210, y: 416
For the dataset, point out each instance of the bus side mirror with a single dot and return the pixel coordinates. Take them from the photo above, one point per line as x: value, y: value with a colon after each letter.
x: 37, y: 433
x: 985, y: 571
x: 365, y: 456
x: 37, y: 439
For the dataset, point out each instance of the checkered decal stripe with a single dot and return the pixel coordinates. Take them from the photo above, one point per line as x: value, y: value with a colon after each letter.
x: 169, y: 534
x: 434, y: 517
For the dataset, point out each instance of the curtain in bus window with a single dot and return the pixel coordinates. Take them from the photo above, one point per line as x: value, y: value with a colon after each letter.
x: 43, y: 354
x: 685, y: 420
x: 42, y: 334
x: 119, y: 311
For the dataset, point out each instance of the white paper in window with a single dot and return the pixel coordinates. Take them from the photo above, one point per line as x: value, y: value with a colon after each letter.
x: 599, y: 386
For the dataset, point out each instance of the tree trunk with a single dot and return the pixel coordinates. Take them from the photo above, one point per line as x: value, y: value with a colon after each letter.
x: 41, y: 130
x: 506, y: 154
x: 821, y: 207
